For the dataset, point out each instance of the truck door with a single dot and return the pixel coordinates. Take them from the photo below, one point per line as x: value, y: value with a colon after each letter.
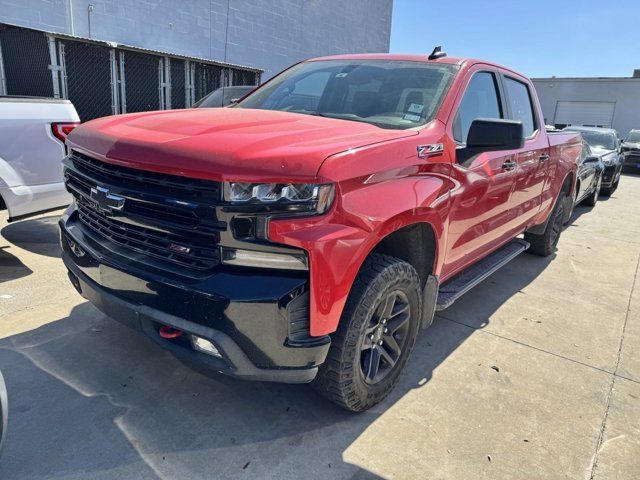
x: 533, y: 158
x: 479, y: 216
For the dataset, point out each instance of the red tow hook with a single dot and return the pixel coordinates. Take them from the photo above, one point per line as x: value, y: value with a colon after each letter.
x: 169, y: 332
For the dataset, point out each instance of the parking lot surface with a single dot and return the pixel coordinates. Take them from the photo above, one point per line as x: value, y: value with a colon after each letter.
x: 533, y: 374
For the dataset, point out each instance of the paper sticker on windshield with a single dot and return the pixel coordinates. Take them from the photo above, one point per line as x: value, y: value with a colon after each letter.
x: 412, y: 118
x: 416, y: 108
x: 341, y: 75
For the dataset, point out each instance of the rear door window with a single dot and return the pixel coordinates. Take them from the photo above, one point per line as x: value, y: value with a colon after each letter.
x: 521, y: 105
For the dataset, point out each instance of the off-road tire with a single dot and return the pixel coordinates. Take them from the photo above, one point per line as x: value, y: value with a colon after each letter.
x: 545, y: 243
x: 340, y: 379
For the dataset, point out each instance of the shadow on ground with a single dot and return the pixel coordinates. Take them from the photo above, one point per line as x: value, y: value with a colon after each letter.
x: 90, y: 398
x: 11, y: 268
x: 38, y: 235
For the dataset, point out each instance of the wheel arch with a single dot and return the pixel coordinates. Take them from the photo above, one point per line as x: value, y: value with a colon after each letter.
x: 415, y: 243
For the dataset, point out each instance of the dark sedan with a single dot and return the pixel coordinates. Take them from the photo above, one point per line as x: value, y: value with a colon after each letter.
x: 604, y: 143
x: 631, y: 152
x: 589, y: 180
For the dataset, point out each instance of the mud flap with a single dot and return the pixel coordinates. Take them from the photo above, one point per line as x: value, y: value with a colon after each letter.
x: 429, y: 300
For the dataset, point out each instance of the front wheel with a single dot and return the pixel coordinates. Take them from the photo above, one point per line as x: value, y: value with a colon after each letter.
x: 545, y: 244
x: 614, y: 185
x: 592, y: 199
x: 376, y: 334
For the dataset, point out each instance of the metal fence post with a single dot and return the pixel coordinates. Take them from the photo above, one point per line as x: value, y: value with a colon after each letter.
x: 115, y: 96
x: 187, y: 84
x: 123, y: 92
x: 63, y: 71
x: 167, y: 82
x: 160, y: 84
x: 53, y: 66
x: 189, y: 87
x: 3, y: 79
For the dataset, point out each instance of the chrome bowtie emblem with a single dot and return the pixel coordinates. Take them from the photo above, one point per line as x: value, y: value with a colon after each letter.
x: 106, y: 201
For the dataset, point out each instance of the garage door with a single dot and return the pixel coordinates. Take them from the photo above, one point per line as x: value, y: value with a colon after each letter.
x: 596, y: 114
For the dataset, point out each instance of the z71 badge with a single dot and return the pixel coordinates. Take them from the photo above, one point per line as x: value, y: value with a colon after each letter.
x: 432, y: 150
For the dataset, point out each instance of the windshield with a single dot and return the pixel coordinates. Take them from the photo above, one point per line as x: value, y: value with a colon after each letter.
x: 633, y: 137
x: 388, y: 94
x: 216, y: 99
x: 598, y: 140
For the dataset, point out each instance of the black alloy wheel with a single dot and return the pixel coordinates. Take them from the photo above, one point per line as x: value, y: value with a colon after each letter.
x: 545, y: 243
x: 375, y: 336
x: 385, y: 337
x: 556, y: 227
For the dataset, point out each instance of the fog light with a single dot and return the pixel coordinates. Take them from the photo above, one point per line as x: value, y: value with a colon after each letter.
x: 205, y: 346
x: 252, y: 258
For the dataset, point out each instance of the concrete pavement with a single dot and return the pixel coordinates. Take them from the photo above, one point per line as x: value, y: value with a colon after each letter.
x: 533, y: 374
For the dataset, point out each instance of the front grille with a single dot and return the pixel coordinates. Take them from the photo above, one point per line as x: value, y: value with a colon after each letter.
x: 148, y: 242
x: 168, y: 222
x: 192, y: 188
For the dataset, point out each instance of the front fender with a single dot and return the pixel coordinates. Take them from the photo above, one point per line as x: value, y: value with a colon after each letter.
x: 339, y: 242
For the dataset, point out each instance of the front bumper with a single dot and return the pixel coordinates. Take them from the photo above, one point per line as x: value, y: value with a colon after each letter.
x: 631, y: 161
x: 610, y: 175
x: 253, y: 317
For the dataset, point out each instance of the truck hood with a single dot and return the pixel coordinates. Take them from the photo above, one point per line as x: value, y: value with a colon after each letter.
x: 226, y: 143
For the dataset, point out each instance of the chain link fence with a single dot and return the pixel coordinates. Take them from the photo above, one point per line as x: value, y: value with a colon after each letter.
x: 88, y: 77
x: 178, y: 83
x: 141, y: 81
x: 207, y: 79
x: 101, y: 79
x: 26, y: 60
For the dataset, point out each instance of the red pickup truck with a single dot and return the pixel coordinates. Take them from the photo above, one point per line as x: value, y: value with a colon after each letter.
x: 309, y: 232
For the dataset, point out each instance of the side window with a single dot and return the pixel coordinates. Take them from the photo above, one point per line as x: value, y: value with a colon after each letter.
x: 521, y: 105
x: 481, y: 100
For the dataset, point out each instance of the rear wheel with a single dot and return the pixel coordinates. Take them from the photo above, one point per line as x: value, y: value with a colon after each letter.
x: 376, y: 334
x: 545, y: 244
x: 569, y: 205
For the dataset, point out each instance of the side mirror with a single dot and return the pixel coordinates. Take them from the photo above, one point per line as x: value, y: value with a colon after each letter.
x: 591, y: 159
x: 489, y: 135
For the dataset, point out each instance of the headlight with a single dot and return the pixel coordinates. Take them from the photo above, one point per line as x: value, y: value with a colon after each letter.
x: 609, y: 160
x: 318, y: 197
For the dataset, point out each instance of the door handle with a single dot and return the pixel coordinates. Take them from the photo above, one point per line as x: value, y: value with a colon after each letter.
x: 544, y: 157
x: 509, y: 165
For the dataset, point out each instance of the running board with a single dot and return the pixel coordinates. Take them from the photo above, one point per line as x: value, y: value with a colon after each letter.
x: 469, y: 278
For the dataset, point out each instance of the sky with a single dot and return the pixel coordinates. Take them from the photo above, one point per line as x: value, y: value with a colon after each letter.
x: 538, y: 38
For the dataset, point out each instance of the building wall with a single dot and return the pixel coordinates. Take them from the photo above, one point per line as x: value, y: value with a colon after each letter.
x: 624, y: 92
x: 267, y: 34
